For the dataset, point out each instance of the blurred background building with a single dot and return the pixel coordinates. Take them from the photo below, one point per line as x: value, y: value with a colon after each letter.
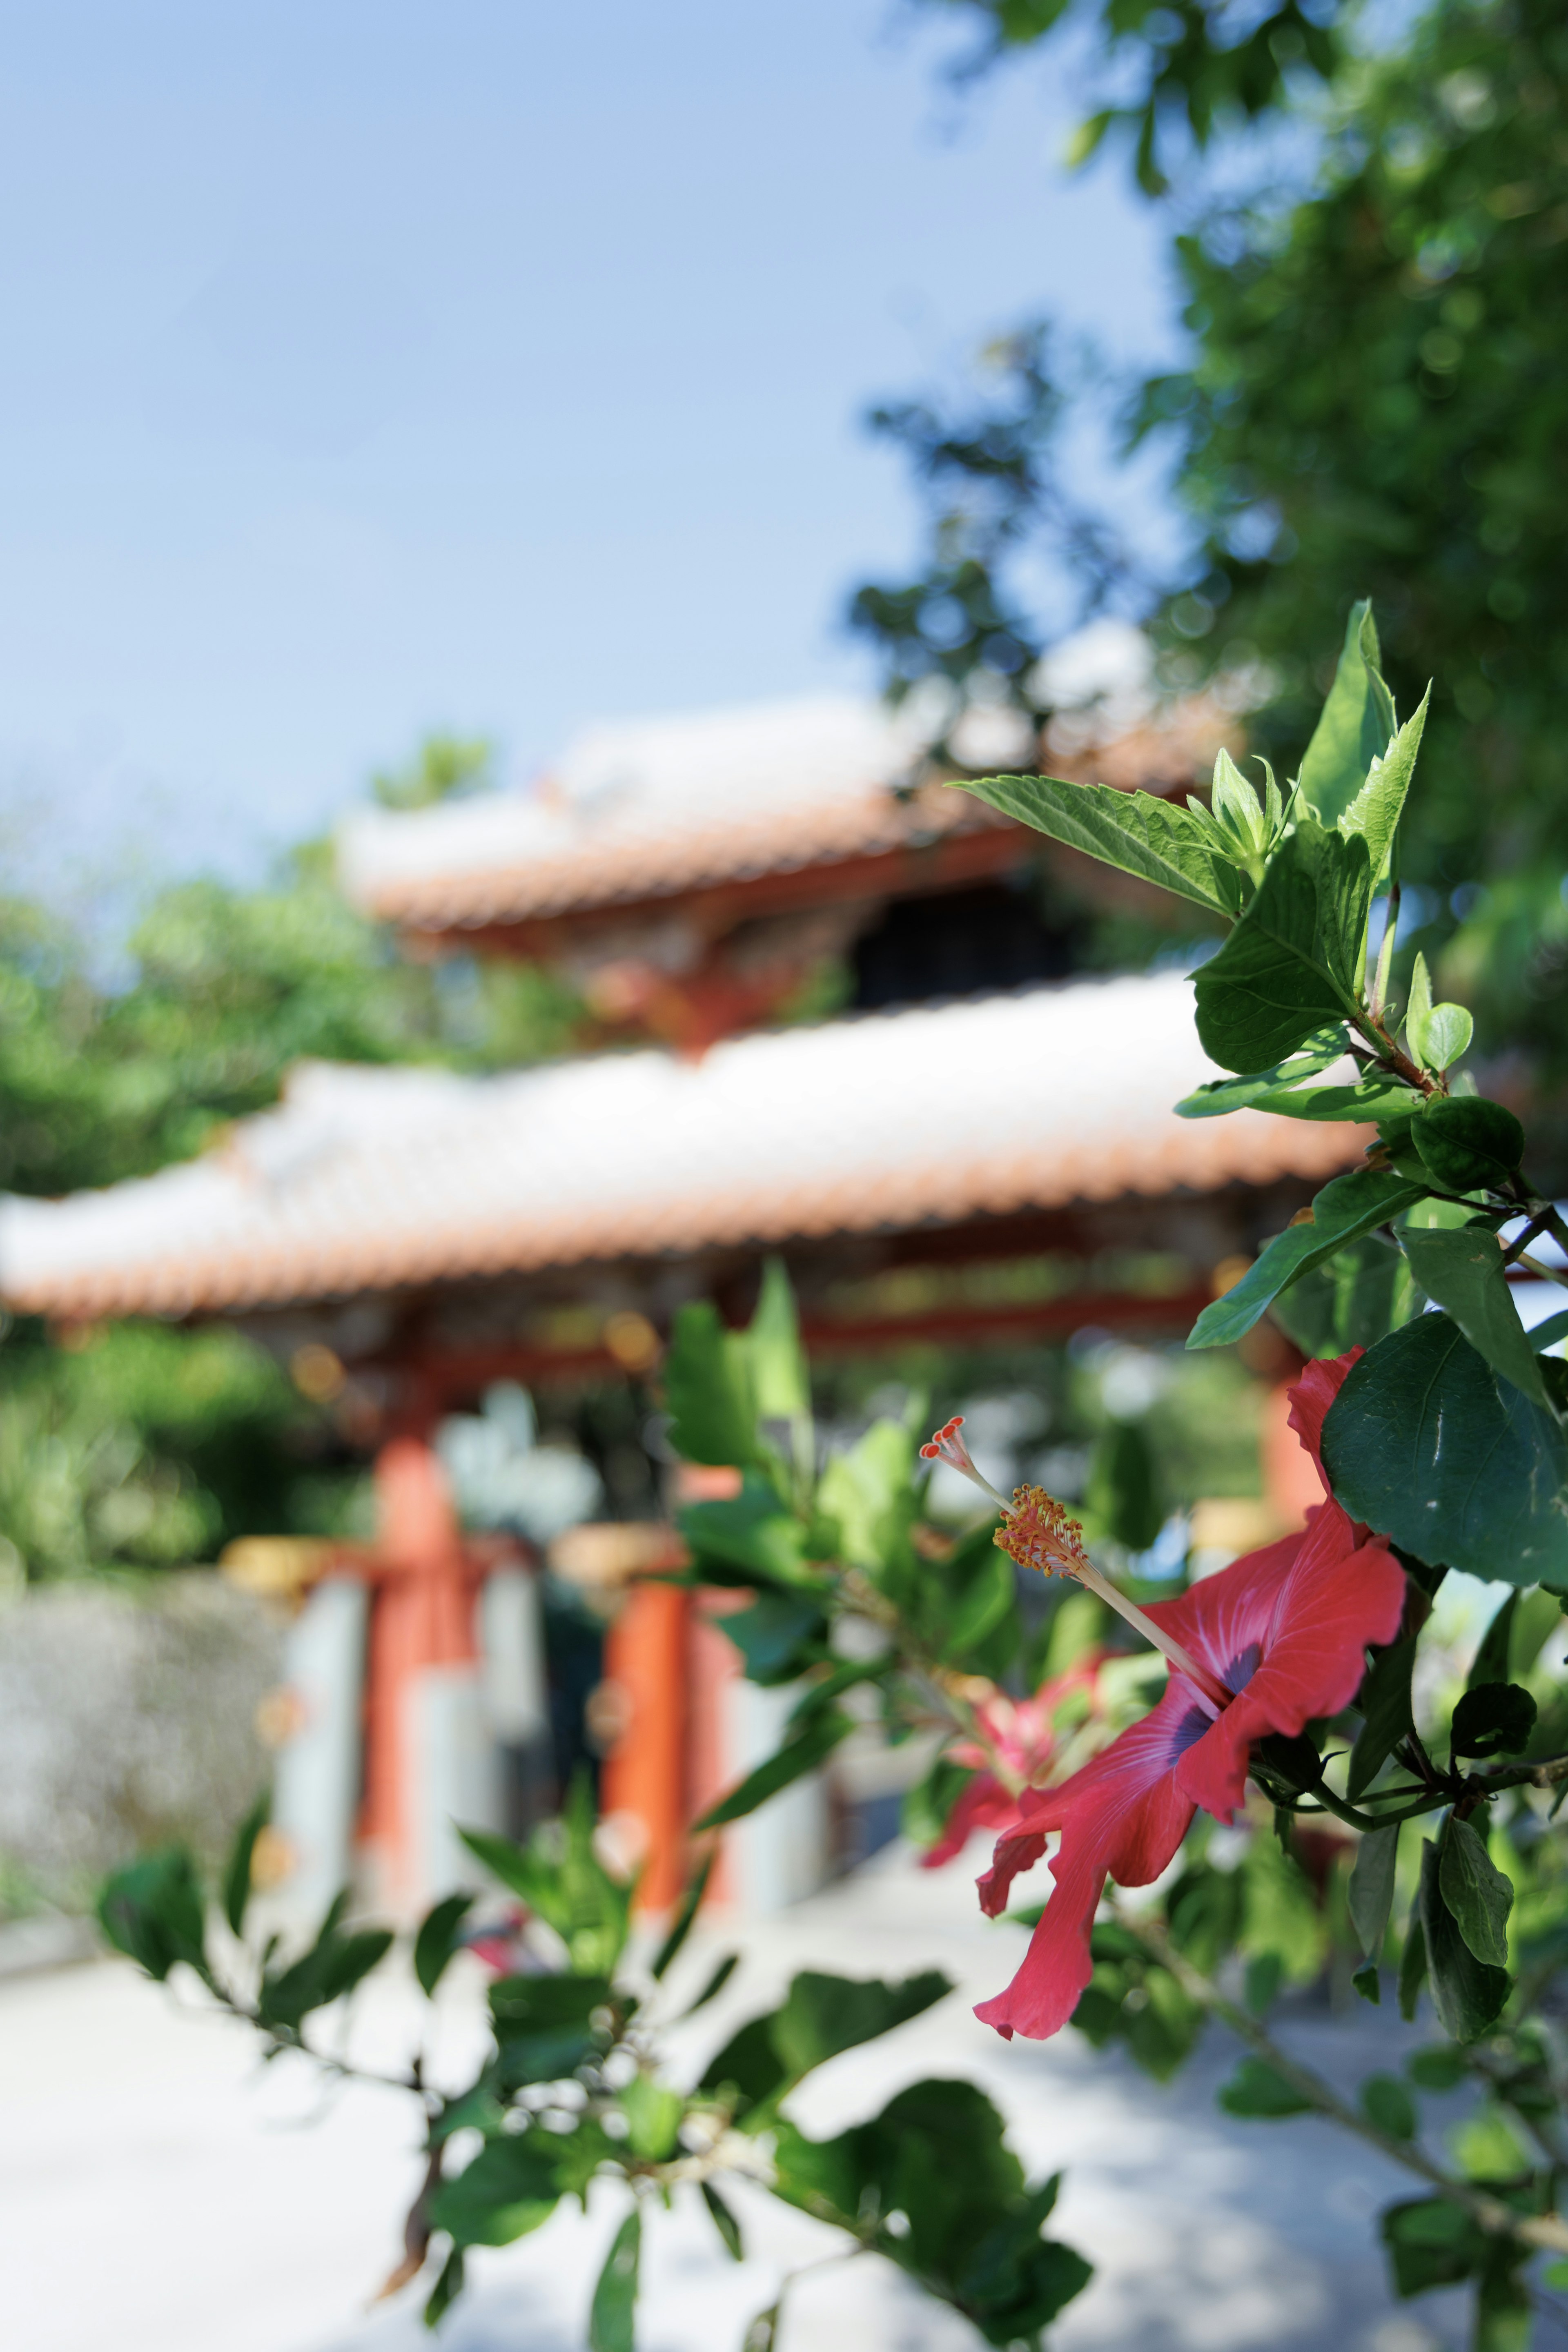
x: 842, y: 1012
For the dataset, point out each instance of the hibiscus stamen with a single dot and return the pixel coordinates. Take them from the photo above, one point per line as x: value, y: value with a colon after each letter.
x: 1038, y: 1533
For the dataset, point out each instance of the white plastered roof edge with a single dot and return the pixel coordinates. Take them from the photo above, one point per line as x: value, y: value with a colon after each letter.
x: 368, y: 1178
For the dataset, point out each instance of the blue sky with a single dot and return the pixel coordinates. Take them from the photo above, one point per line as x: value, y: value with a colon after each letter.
x: 486, y: 365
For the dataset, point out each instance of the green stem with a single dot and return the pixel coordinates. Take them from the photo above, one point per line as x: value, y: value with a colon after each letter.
x: 1547, y: 2230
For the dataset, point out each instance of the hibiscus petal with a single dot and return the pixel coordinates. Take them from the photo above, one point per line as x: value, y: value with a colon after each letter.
x: 1335, y: 1603
x: 1310, y: 1397
x: 1123, y: 1815
x: 1226, y: 1619
x: 984, y: 1804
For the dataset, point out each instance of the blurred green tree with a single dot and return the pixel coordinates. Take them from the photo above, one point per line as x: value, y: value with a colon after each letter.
x: 143, y: 1445
x: 1375, y: 406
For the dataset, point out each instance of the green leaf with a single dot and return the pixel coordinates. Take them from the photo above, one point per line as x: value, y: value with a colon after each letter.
x: 1467, y: 1142
x: 990, y: 1593
x: 1436, y: 1034
x: 1375, y: 810
x: 1425, y: 1446
x: 1354, y: 731
x: 1490, y: 1663
x: 971, y: 2229
x: 237, y: 1875
x: 779, y: 1636
x: 1466, y: 1992
x: 928, y: 1806
x: 329, y: 1971
x: 801, y: 1753
x: 1371, y: 1890
x: 654, y: 2114
x: 1493, y: 1720
x: 781, y: 1383
x: 718, y: 1978
x: 1547, y: 1334
x: 512, y: 2187
x: 449, y: 2286
x: 1131, y: 831
x: 1463, y: 1270
x: 439, y: 1939
x: 724, y: 2220
x: 680, y: 1926
x: 1293, y: 961
x: 1383, y: 1700
x: 753, y: 1530
x: 1254, y: 2089
x: 1438, y: 2067
x: 708, y: 1390
x: 1352, y: 1299
x: 1476, y: 1895
x: 1123, y: 1495
x: 1221, y: 1095
x: 1388, y: 2106
x: 1344, y: 1209
x: 559, y: 1875
x: 154, y: 1911
x: 1412, y: 1965
x: 1431, y: 2242
x: 762, y: 2333
x: 820, y: 2017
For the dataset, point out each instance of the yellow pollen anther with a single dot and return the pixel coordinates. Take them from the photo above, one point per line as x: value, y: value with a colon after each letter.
x: 1039, y: 1534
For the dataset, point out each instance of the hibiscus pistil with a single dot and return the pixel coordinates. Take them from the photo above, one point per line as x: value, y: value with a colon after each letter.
x: 1037, y: 1532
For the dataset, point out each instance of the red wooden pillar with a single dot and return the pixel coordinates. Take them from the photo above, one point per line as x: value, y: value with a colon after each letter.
x: 422, y: 1615
x: 645, y: 1774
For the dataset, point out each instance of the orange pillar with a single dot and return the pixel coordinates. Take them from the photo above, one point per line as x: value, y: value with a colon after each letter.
x: 1290, y: 1480
x: 422, y: 1615
x: 645, y: 1774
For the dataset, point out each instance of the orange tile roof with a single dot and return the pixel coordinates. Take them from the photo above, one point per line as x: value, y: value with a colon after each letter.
x: 370, y: 1179
x: 725, y: 798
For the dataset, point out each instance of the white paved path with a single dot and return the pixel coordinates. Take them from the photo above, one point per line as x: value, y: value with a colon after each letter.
x: 158, y: 2195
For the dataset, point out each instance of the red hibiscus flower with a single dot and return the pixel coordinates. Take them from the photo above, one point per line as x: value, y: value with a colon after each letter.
x: 1021, y: 1735
x: 1281, y: 1633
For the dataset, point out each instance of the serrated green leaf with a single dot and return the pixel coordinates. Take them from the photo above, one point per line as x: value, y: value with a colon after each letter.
x: 1293, y: 961
x: 1477, y: 1896
x: 1344, y: 1209
x: 1371, y: 1892
x: 1375, y: 811
x: 1425, y: 1446
x: 1357, y: 720
x: 1463, y: 1271
x: 1131, y: 831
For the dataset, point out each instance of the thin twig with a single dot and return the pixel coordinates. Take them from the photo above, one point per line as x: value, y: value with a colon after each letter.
x: 1547, y: 2230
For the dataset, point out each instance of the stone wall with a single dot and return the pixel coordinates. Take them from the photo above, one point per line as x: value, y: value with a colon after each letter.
x: 127, y: 1719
